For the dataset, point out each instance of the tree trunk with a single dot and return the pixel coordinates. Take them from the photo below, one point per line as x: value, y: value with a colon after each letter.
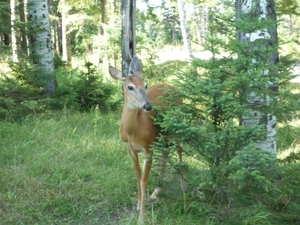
x: 199, y: 18
x: 263, y: 38
x: 113, y: 15
x: 41, y: 41
x: 15, y: 34
x: 102, y: 16
x: 128, y: 33
x: 66, y: 48
x: 184, y: 29
x: 291, y: 28
x: 59, y: 37
x: 24, y: 41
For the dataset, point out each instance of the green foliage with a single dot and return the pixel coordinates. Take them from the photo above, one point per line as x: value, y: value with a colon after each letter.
x: 160, y: 24
x: 288, y: 7
x: 21, y: 91
x: 27, y: 73
x: 18, y: 101
x: 4, y: 16
x: 252, y: 169
x: 83, y: 90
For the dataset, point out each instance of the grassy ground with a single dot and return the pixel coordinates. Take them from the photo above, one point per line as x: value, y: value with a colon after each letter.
x: 71, y: 169
x: 62, y: 170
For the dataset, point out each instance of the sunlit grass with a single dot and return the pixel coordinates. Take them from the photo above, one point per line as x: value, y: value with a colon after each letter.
x: 73, y: 168
x: 63, y: 169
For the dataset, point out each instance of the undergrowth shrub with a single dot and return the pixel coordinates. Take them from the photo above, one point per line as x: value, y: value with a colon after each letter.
x: 17, y: 100
x: 21, y: 91
x: 28, y: 74
x: 84, y: 90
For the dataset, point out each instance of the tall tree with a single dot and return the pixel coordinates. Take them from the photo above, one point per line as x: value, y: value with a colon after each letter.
x: 102, y: 16
x: 128, y: 33
x: 41, y: 42
x: 66, y: 48
x: 15, y: 34
x: 262, y: 41
x: 199, y: 15
x: 185, y: 29
x: 24, y: 27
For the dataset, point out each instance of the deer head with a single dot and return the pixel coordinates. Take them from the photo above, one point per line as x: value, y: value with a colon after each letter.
x: 133, y: 85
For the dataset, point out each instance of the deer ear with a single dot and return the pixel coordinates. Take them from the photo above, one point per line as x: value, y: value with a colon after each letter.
x: 135, y: 67
x: 116, y: 74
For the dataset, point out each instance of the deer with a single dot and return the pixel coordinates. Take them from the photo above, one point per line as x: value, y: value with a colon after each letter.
x: 138, y: 129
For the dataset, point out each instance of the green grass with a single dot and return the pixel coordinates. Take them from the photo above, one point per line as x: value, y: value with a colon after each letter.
x: 62, y: 170
x: 73, y: 168
x: 70, y: 169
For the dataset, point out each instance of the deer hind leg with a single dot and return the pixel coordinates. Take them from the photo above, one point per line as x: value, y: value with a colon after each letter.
x: 160, y: 176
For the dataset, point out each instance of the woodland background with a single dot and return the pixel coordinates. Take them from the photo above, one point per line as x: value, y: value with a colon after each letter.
x: 61, y: 157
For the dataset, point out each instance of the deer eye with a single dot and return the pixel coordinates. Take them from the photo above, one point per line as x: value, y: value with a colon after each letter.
x: 130, y: 88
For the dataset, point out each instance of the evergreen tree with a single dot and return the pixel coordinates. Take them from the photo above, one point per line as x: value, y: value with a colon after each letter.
x: 215, y: 95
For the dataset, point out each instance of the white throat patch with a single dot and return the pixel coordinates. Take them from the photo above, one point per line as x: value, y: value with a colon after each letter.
x: 131, y: 106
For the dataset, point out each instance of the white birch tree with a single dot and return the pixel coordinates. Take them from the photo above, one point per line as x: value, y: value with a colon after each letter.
x: 66, y: 48
x: 15, y: 43
x: 263, y: 38
x: 198, y: 14
x: 41, y: 41
x: 184, y: 29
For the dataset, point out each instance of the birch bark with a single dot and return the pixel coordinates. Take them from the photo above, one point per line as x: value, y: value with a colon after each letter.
x: 184, y: 29
x: 66, y: 48
x: 16, y: 47
x: 41, y: 41
x: 264, y: 38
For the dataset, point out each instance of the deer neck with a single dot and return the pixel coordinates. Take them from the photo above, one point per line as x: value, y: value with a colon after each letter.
x: 129, y: 122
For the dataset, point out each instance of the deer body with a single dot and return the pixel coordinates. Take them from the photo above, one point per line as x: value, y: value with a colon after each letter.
x: 136, y: 125
x: 137, y: 128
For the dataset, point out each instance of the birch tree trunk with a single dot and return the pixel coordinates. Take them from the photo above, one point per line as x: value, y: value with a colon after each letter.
x: 184, y: 29
x: 263, y: 38
x: 200, y: 24
x: 22, y: 16
x: 66, y: 48
x: 41, y: 41
x: 26, y: 41
x: 15, y: 34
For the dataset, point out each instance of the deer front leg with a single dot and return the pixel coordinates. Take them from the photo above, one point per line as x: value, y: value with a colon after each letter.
x: 143, y: 184
x: 137, y: 171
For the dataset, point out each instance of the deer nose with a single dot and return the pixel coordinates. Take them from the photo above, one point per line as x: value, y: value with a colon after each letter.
x: 147, y: 107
